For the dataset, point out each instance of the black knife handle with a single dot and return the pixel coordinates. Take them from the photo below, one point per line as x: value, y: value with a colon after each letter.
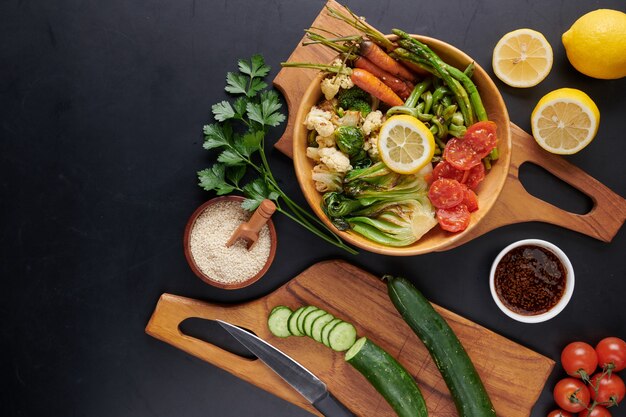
x: 329, y: 406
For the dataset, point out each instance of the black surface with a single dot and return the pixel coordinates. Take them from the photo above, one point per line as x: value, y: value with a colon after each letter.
x: 102, y: 104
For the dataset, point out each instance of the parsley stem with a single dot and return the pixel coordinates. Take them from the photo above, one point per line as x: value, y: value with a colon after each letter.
x: 316, y: 231
x: 304, y: 213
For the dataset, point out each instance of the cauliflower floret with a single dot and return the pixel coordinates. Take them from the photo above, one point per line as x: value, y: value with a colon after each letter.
x: 350, y: 118
x: 325, y: 141
x: 320, y: 121
x: 373, y: 122
x: 372, y: 147
x: 331, y: 85
x: 313, y: 153
x: 334, y: 159
x: 343, y: 80
x: 326, y: 179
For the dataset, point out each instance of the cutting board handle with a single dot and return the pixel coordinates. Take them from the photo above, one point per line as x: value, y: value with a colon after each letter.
x: 516, y: 205
x: 172, y: 310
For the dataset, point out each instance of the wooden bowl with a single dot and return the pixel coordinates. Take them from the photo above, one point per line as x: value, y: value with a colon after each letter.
x: 207, y: 279
x: 488, y: 191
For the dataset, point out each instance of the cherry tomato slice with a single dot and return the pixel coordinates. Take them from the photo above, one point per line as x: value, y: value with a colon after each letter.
x: 481, y: 137
x: 598, y: 411
x: 559, y: 413
x: 460, y: 155
x: 610, y: 388
x: 470, y: 200
x: 445, y: 170
x: 612, y: 350
x: 475, y: 176
x: 579, y: 357
x: 455, y: 219
x: 571, y: 395
x: 446, y: 193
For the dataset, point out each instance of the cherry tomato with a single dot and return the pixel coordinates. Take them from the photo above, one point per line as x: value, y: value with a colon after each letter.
x: 481, y: 137
x: 444, y: 170
x: 471, y: 200
x: 455, y: 219
x: 571, y: 395
x: 559, y: 413
x: 610, y: 387
x: 474, y: 176
x: 446, y: 193
x: 579, y: 357
x: 612, y: 350
x: 598, y: 411
x: 460, y: 155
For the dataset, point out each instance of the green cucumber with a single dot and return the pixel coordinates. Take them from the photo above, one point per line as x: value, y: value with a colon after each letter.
x: 318, y: 326
x: 305, y: 312
x: 326, y: 330
x: 278, y: 321
x: 293, y: 322
x: 310, y: 318
x: 389, y: 378
x: 458, y: 371
x: 342, y: 336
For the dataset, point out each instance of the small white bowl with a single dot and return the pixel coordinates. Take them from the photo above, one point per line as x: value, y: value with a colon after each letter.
x: 569, y: 282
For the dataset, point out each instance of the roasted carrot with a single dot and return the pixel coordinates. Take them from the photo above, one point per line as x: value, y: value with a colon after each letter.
x: 400, y: 87
x: 414, y: 68
x: 380, y: 58
x: 366, y: 81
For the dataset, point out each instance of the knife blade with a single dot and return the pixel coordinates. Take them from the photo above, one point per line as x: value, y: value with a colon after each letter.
x: 296, y: 375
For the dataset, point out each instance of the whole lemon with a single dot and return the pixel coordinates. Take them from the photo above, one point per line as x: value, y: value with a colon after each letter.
x: 596, y: 44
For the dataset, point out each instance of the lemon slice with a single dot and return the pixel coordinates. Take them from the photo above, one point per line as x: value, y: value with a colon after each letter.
x: 565, y: 121
x: 405, y: 144
x: 522, y: 58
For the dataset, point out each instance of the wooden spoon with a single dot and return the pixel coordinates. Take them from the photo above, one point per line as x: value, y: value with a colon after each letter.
x: 250, y: 231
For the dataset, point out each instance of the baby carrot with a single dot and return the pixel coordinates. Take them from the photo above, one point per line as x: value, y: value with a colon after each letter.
x: 366, y: 81
x: 380, y: 58
x: 400, y: 87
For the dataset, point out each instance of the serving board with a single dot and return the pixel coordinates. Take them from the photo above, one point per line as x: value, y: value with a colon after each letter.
x: 513, y: 375
x: 514, y: 204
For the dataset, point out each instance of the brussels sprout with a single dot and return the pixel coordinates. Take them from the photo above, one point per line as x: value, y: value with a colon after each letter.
x: 349, y: 139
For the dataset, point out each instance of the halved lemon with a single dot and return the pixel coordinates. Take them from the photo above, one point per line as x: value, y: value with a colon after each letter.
x: 522, y: 58
x: 405, y: 144
x: 565, y: 121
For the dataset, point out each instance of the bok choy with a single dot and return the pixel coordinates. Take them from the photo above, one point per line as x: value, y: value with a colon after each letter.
x: 383, y: 206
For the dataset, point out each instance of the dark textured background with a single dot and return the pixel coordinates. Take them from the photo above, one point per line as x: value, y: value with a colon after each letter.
x: 101, y: 109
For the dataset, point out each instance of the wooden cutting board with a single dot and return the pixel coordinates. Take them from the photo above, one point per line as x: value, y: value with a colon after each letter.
x: 513, y: 375
x: 515, y: 204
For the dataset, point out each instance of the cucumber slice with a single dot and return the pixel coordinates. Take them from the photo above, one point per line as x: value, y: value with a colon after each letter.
x: 389, y: 378
x: 342, y: 337
x: 278, y: 307
x: 318, y: 325
x: 307, y: 310
x: 278, y: 321
x: 293, y: 322
x: 310, y: 318
x: 326, y: 330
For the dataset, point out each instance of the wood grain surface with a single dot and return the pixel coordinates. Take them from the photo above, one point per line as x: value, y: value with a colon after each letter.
x: 513, y: 375
x: 514, y: 204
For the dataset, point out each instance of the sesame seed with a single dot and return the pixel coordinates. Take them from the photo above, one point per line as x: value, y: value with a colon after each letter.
x: 207, y: 244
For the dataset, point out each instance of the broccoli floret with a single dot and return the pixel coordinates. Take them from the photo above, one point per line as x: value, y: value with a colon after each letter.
x: 361, y: 106
x: 355, y: 99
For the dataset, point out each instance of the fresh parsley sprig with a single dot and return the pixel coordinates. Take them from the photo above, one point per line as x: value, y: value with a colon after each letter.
x: 239, y: 135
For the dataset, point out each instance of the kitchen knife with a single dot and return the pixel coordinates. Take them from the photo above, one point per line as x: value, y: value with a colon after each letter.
x: 296, y: 375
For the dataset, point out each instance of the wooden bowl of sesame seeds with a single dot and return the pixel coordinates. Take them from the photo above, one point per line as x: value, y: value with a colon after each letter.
x: 204, y: 242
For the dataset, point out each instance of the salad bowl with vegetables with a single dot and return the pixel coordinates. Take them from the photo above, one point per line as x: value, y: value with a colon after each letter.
x: 386, y: 165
